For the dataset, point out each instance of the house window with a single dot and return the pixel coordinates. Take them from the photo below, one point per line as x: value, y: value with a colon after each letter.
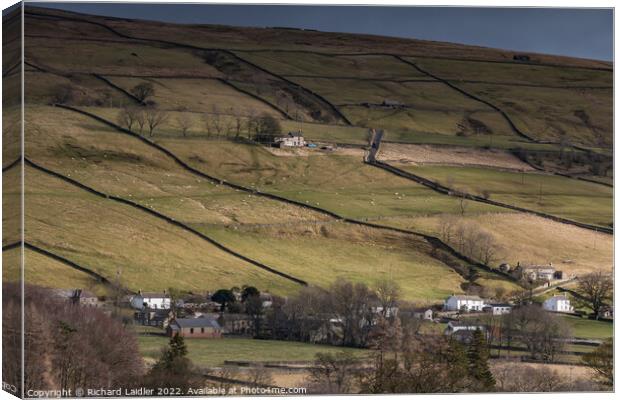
x: 202, y: 330
x: 191, y: 331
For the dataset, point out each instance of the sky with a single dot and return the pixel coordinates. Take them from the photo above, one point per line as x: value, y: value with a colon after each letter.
x: 586, y: 33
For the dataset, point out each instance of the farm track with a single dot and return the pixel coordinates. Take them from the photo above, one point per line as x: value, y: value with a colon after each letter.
x: 432, y: 240
x: 230, y: 53
x: 166, y: 218
x: 61, y: 259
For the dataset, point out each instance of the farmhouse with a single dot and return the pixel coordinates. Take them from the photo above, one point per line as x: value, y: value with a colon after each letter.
x: 461, y: 302
x: 159, y: 317
x: 423, y: 313
x: 535, y: 272
x: 498, y: 308
x: 204, y: 327
x: 78, y: 296
x: 293, y: 139
x: 559, y: 303
x: 155, y: 301
x: 85, y: 298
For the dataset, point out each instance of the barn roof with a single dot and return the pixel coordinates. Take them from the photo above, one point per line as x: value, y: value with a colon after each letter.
x: 196, y: 323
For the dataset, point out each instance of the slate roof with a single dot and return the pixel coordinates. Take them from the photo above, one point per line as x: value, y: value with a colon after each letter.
x: 196, y: 323
x: 466, y: 297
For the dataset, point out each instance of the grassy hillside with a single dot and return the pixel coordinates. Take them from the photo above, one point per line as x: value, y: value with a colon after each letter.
x: 148, y: 253
x: 44, y: 271
x: 556, y: 195
x: 333, y: 87
x: 272, y: 232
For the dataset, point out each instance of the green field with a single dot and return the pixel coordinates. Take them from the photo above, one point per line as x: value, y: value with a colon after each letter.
x: 556, y: 195
x: 589, y: 329
x: 212, y: 353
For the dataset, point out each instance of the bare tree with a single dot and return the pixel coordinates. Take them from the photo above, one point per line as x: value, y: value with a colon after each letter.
x: 154, y: 117
x: 141, y: 119
x: 185, y: 122
x: 333, y: 373
x: 128, y: 116
x: 388, y: 293
x: 143, y: 91
x: 595, y: 288
x: 601, y: 361
x: 206, y: 119
x: 463, y: 205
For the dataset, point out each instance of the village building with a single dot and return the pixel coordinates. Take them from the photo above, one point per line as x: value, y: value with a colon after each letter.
x: 156, y: 301
x: 293, y: 139
x: 423, y: 313
x: 204, y: 327
x: 461, y: 302
x: 86, y: 298
x: 558, y: 303
x: 498, y: 308
x: 78, y: 296
x: 160, y: 318
x: 535, y: 273
x: 236, y: 324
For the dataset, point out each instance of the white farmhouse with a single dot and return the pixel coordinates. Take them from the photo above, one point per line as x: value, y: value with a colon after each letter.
x: 461, y: 302
x: 558, y: 304
x: 293, y: 139
x: 155, y: 301
x: 498, y: 308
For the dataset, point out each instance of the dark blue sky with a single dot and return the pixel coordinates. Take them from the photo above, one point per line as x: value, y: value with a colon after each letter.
x: 584, y: 33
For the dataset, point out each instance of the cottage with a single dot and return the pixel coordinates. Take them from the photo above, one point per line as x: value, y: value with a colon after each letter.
x: 498, y: 308
x: 462, y: 302
x: 160, y: 317
x: 85, y: 298
x: 236, y: 324
x: 536, y: 272
x: 156, y: 301
x: 293, y: 139
x: 204, y: 327
x: 423, y: 313
x: 559, y: 303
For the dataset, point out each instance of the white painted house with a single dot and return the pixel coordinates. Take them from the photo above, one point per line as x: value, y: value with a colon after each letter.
x: 559, y: 303
x: 498, y: 308
x: 155, y: 301
x: 461, y: 302
x: 293, y: 139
